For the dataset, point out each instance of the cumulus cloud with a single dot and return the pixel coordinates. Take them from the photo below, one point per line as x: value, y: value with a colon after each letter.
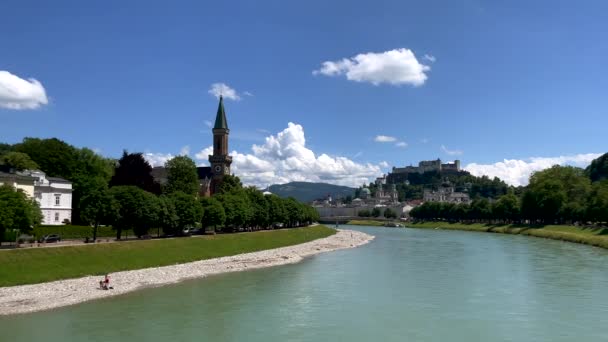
x: 395, y: 67
x: 157, y: 159
x: 384, y: 138
x: 517, y: 172
x: 284, y: 157
x: 223, y: 89
x: 450, y: 152
x: 203, y: 155
x: 17, y: 93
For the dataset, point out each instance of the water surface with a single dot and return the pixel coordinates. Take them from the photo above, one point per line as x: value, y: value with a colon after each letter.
x: 406, y: 285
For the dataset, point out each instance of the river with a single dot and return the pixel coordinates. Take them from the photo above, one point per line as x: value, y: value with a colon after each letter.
x: 406, y: 285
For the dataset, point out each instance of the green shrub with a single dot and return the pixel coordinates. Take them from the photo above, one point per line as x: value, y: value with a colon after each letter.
x: 73, y: 232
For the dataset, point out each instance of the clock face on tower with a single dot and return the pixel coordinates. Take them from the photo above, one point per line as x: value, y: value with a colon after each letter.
x: 218, y: 168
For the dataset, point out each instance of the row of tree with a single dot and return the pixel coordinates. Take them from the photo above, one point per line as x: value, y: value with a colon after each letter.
x: 123, y: 193
x: 377, y: 212
x: 560, y: 194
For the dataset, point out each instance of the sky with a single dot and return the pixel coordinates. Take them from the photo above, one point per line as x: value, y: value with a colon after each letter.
x: 331, y: 91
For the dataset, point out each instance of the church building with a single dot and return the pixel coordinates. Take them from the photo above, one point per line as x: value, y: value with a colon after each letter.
x: 210, y: 177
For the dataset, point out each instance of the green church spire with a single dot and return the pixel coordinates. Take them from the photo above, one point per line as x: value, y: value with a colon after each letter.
x: 220, y: 119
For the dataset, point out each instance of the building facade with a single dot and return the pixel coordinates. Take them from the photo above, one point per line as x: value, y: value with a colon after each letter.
x: 220, y: 160
x: 445, y: 195
x: 54, y: 195
x: 20, y: 182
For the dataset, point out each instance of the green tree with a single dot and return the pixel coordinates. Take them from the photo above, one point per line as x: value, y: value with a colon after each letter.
x: 189, y: 211
x: 182, y: 175
x: 133, y: 169
x: 167, y: 215
x: 17, y: 211
x: 213, y: 213
x: 138, y: 209
x: 236, y: 208
x: 18, y: 161
x: 506, y: 208
x: 53, y: 156
x: 294, y: 211
x: 597, y: 209
x: 230, y: 184
x: 376, y: 212
x: 598, y: 169
x: 259, y: 208
x: 276, y: 209
x: 98, y: 207
x: 390, y: 213
x: 364, y: 213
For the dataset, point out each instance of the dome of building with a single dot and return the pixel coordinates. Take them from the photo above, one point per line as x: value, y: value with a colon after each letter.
x: 365, y: 193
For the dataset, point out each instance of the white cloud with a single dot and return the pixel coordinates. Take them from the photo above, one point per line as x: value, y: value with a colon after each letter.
x: 402, y: 144
x: 384, y: 138
x: 157, y: 159
x: 223, y: 89
x: 17, y: 93
x: 208, y: 123
x: 203, y: 155
x: 395, y: 67
x: 517, y: 172
x: 451, y: 152
x: 429, y: 58
x: 284, y: 157
x: 247, y: 93
x: 384, y: 164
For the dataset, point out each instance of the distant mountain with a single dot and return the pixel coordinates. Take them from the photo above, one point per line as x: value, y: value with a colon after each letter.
x: 307, y: 192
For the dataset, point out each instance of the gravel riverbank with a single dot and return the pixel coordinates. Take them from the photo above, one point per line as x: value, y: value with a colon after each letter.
x: 44, y: 296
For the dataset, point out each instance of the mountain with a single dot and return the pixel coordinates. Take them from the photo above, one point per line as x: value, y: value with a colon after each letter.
x: 307, y: 192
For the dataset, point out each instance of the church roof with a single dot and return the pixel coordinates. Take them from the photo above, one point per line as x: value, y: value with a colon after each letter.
x: 220, y: 118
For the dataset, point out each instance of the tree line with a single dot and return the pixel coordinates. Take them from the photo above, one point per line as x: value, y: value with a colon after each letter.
x: 123, y: 193
x: 558, y: 195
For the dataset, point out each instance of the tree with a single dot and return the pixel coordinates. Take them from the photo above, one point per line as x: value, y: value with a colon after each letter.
x: 376, y: 212
x: 294, y: 211
x: 259, y: 207
x: 597, y: 209
x: 98, y: 207
x: 182, y: 175
x: 390, y: 213
x: 276, y: 209
x: 53, y: 156
x: 230, y: 184
x: 236, y: 208
x: 167, y: 215
x: 18, y: 161
x: 213, y: 213
x: 189, y: 211
x: 17, y: 211
x: 598, y: 169
x: 138, y: 209
x: 364, y: 213
x: 506, y: 208
x: 133, y: 169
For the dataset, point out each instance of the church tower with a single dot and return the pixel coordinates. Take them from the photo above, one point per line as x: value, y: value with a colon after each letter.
x: 220, y: 160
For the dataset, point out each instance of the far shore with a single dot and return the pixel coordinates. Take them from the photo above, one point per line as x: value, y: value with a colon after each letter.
x: 593, y: 236
x: 45, y: 296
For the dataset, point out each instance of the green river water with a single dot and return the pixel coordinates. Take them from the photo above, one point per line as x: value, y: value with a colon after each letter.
x: 406, y: 285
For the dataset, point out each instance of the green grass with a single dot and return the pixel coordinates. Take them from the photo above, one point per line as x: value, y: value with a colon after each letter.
x: 589, y: 236
x: 37, y: 265
x: 366, y: 223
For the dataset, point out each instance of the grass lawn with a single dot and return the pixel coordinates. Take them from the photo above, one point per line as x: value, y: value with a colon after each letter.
x: 590, y: 236
x: 366, y: 223
x: 37, y: 265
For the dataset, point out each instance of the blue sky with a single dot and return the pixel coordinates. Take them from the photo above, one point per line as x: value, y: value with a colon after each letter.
x: 501, y: 82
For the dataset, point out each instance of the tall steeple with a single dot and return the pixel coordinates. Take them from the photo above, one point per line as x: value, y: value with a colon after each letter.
x: 220, y: 118
x: 220, y: 160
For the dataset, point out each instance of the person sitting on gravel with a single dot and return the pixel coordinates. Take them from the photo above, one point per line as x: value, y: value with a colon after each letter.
x: 105, y: 283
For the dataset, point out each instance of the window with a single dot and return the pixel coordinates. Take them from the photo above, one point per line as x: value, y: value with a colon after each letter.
x: 57, y: 199
x: 56, y: 217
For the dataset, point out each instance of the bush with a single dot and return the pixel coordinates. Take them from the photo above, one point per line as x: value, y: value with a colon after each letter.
x: 72, y: 231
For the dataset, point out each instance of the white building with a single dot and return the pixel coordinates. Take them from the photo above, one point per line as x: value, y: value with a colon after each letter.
x: 54, y: 196
x: 445, y: 195
x: 20, y: 182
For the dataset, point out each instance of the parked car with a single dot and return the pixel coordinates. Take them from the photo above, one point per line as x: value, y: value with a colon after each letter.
x: 50, y: 238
